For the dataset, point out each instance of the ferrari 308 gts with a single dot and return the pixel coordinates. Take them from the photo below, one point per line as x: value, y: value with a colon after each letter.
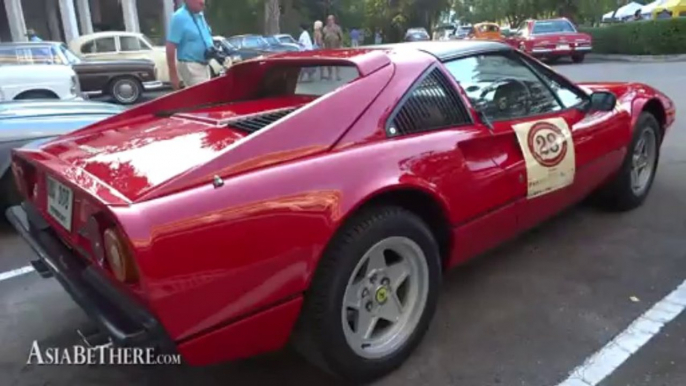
x: 271, y: 205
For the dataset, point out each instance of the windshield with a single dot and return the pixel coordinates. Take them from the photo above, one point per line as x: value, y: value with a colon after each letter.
x: 71, y: 57
x: 147, y: 40
x: 272, y: 40
x: 254, y: 42
x: 552, y: 26
x: 287, y: 39
x: 489, y: 28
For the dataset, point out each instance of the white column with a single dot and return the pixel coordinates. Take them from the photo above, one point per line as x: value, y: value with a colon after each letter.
x: 168, y: 10
x: 69, y: 25
x: 130, y: 12
x: 15, y: 16
x: 85, y: 20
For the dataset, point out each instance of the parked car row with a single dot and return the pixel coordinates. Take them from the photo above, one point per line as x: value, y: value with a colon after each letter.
x: 548, y: 39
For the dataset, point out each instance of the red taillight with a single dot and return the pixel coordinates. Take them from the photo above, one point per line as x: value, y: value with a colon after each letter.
x: 119, y: 257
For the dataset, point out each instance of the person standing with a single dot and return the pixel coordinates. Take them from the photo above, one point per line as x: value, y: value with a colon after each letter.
x: 305, y: 40
x: 355, y: 37
x: 318, y: 35
x: 33, y: 37
x: 333, y: 39
x: 188, y: 40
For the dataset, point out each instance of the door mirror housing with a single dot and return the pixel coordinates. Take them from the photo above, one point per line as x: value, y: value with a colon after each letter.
x: 602, y: 101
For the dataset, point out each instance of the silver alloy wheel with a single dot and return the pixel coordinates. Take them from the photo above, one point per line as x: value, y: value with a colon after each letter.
x: 126, y: 90
x: 643, y: 161
x: 385, y: 297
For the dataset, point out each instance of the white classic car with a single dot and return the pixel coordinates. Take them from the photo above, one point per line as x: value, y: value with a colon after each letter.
x: 21, y: 77
x: 116, y: 45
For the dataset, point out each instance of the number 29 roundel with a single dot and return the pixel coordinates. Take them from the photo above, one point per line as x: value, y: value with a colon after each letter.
x: 548, y: 151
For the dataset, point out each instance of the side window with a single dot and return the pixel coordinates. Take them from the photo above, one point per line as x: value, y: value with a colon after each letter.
x: 88, y: 47
x: 569, y: 95
x: 44, y: 55
x: 502, y: 88
x: 431, y: 105
x: 105, y: 45
x: 130, y: 43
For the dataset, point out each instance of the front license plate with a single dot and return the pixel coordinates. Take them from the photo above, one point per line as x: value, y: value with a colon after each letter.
x: 563, y: 46
x: 60, y: 199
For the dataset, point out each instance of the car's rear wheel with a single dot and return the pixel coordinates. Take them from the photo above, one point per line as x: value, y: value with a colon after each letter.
x: 372, y: 297
x: 578, y: 58
x: 629, y: 189
x: 126, y: 90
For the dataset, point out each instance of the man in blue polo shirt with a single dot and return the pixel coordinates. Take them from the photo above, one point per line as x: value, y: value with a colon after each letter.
x: 188, y: 39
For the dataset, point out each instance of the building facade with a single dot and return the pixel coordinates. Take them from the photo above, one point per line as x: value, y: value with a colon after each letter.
x: 65, y: 20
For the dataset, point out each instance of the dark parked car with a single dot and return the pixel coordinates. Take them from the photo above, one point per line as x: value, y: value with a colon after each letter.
x: 417, y: 35
x: 25, y: 123
x: 275, y: 42
x: 257, y: 42
x: 123, y: 80
x: 238, y: 54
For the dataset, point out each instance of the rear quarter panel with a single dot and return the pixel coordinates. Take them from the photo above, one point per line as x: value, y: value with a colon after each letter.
x: 209, y: 256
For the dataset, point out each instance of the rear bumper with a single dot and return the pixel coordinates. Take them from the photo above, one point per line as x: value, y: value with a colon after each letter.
x: 126, y: 322
x: 550, y: 52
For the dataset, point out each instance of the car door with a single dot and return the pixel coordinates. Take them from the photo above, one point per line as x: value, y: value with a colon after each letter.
x: 454, y: 154
x: 532, y: 132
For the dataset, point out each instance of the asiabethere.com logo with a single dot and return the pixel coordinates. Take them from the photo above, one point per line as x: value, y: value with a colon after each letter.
x: 101, y: 355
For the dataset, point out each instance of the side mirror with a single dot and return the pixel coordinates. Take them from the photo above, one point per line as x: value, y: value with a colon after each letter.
x: 602, y: 101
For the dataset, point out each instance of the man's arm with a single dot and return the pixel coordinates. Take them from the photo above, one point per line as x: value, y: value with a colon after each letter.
x: 171, y: 64
x: 173, y: 40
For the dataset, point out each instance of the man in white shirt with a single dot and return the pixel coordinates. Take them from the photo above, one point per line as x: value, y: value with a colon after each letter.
x: 305, y: 40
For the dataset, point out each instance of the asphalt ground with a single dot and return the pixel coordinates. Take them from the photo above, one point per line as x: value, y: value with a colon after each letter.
x: 527, y: 313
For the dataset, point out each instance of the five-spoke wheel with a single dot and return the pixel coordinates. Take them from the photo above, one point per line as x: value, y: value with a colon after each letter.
x: 372, y: 296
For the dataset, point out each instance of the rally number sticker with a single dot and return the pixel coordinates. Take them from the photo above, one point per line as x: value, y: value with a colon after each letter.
x: 549, y: 155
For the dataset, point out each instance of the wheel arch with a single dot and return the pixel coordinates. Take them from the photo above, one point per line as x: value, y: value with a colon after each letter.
x: 38, y: 90
x: 420, y: 200
x: 655, y: 107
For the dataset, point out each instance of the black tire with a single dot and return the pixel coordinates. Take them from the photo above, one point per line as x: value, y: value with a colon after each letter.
x: 578, y: 58
x: 126, y: 90
x: 9, y: 195
x: 38, y: 94
x: 319, y: 335
x: 618, y: 195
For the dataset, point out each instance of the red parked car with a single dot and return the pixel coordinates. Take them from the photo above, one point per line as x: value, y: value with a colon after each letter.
x: 225, y: 219
x: 552, y: 39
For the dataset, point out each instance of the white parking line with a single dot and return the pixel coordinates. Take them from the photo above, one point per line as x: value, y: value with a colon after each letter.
x: 16, y: 272
x: 604, y: 362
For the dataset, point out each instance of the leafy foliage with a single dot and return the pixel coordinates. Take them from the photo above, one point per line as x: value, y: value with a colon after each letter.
x: 654, y: 37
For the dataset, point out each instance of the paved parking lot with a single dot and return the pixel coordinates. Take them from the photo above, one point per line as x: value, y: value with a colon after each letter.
x: 526, y: 314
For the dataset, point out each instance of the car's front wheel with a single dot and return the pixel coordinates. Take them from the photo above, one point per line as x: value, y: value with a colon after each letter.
x: 629, y: 189
x: 126, y: 90
x: 373, y: 295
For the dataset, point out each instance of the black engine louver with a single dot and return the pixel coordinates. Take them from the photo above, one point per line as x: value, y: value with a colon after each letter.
x: 260, y: 121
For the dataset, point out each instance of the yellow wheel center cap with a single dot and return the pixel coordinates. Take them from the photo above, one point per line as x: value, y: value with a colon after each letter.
x: 381, y: 295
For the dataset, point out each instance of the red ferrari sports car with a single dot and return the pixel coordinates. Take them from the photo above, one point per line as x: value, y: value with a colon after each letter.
x: 268, y: 206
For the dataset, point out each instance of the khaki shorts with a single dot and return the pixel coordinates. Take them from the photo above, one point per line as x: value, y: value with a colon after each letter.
x: 193, y: 73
